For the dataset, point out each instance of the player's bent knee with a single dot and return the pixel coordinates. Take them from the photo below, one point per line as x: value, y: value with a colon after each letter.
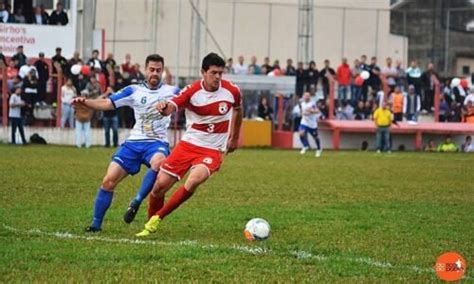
x: 156, y: 161
x: 108, y: 184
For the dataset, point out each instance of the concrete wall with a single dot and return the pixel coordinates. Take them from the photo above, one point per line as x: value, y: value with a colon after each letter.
x: 259, y: 27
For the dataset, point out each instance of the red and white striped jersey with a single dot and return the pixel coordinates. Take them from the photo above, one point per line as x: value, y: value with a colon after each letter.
x: 208, y: 114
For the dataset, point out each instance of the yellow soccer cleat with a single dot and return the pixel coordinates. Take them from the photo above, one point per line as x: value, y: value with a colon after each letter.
x: 150, y: 227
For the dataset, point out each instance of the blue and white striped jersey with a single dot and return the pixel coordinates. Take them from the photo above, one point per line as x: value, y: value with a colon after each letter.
x: 149, y: 123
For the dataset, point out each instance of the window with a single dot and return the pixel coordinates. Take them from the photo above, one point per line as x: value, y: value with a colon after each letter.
x: 466, y: 70
x: 51, y: 4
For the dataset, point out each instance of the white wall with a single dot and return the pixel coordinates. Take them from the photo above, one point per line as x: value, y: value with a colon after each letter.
x: 260, y: 27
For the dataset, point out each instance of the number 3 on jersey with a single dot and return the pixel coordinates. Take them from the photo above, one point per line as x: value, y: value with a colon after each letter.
x: 210, y: 127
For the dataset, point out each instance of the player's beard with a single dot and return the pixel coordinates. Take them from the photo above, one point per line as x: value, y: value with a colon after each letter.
x: 154, y: 81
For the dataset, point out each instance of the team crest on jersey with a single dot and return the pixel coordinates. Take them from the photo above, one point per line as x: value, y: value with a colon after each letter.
x: 143, y: 101
x: 207, y: 161
x: 223, y: 108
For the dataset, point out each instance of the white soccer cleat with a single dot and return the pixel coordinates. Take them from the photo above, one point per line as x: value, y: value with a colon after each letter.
x: 303, y: 150
x: 318, y: 153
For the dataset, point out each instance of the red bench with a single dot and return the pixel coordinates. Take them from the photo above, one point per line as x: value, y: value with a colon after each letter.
x: 367, y: 126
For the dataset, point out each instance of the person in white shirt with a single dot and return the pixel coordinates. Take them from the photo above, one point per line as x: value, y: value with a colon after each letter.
x: 25, y: 69
x: 309, y: 124
x: 14, y: 114
x: 470, y: 97
x: 68, y: 92
x: 468, y: 146
x: 240, y: 68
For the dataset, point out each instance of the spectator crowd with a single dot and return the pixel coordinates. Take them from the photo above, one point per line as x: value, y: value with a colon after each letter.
x: 33, y: 15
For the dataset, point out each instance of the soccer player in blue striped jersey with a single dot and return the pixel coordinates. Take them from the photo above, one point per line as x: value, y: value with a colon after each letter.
x: 147, y: 143
x: 309, y: 124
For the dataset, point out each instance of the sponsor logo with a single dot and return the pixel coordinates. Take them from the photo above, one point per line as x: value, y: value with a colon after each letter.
x: 223, y: 108
x: 450, y: 266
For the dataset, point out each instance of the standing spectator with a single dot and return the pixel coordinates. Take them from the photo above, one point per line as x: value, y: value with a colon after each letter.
x: 138, y: 77
x: 83, y: 117
x: 12, y: 71
x: 397, y: 99
x: 356, y: 83
x: 75, y: 59
x: 62, y: 62
x: 324, y: 75
x: 40, y: 17
x: 68, y: 92
x: 374, y: 79
x: 25, y: 69
x: 93, y: 90
x: 110, y: 120
x: 19, y: 17
x: 468, y: 112
x: 5, y: 13
x: 383, y: 119
x: 467, y: 146
x: 58, y: 16
x: 240, y: 68
x: 363, y: 66
x: 14, y: 114
x: 265, y: 111
x: 300, y: 80
x: 311, y: 78
x: 276, y: 66
x: 470, y: 97
x: 94, y: 62
x: 19, y: 57
x: 267, y: 66
x: 401, y: 76
x: 254, y: 66
x: 127, y: 66
x: 30, y: 91
x: 447, y: 145
x: 427, y: 81
x: 17, y: 82
x: 343, y: 77
x: 110, y: 60
x: 43, y: 76
x: 411, y: 104
x: 229, y: 67
x: 414, y: 76
x: 290, y: 69
x: 391, y: 74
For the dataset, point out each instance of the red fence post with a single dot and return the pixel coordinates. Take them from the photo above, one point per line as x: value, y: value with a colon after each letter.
x: 331, y: 96
x: 437, y: 97
x: 58, y: 97
x: 4, y: 97
x: 385, y: 87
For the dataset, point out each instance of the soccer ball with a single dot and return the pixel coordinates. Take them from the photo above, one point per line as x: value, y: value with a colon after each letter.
x: 257, y: 229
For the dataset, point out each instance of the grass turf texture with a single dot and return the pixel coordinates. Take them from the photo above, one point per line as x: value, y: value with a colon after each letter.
x: 348, y: 216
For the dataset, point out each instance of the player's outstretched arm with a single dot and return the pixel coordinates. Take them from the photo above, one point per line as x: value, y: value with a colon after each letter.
x: 235, y: 129
x: 95, y: 104
x: 165, y: 108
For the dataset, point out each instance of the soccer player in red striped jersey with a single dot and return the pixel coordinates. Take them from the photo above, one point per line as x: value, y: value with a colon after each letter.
x: 214, y: 116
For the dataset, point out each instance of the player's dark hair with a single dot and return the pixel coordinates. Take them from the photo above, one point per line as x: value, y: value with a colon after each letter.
x: 155, y: 58
x: 212, y: 59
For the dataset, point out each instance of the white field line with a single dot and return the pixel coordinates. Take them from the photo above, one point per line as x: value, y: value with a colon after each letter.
x: 300, y: 254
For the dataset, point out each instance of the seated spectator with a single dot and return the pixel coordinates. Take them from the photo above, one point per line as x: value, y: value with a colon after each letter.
x: 40, y: 17
x: 467, y: 146
x: 360, y: 111
x: 411, y: 104
x: 5, y: 13
x: 58, y: 16
x: 345, y: 112
x: 470, y: 97
x: 240, y: 68
x: 431, y: 146
x: 444, y: 109
x: 265, y: 111
x: 447, y: 145
x: 369, y: 109
x: 323, y: 107
x: 138, y: 77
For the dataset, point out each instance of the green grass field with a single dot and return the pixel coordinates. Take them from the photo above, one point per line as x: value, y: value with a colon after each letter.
x: 348, y: 216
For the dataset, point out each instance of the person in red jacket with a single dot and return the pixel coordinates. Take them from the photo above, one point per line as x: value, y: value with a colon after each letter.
x: 343, y: 76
